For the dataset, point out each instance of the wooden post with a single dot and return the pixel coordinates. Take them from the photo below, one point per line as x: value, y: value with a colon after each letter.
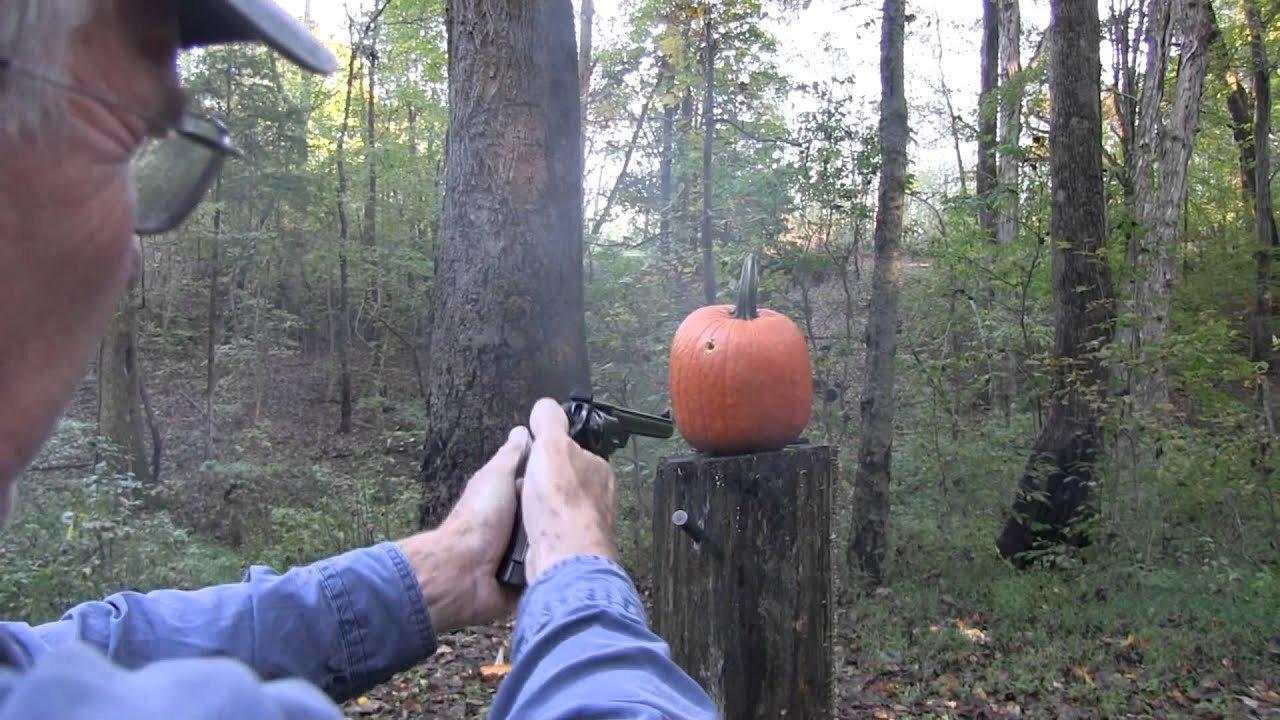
x: 746, y: 606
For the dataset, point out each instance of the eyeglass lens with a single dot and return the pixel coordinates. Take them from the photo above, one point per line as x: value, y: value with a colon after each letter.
x: 170, y: 177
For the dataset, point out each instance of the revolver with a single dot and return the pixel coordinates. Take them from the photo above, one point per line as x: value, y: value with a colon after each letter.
x: 598, y: 428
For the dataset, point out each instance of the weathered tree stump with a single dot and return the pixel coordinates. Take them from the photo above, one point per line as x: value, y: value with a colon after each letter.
x: 742, y: 577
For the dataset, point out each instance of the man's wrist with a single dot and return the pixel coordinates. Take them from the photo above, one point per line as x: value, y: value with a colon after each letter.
x: 445, y: 580
x: 540, y: 564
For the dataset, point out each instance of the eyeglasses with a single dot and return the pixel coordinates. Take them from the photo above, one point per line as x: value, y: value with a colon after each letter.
x: 171, y: 174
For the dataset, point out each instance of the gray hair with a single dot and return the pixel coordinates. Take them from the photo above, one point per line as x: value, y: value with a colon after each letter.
x: 36, y: 35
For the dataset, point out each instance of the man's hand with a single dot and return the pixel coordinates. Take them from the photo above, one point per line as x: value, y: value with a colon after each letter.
x: 456, y: 564
x: 567, y: 495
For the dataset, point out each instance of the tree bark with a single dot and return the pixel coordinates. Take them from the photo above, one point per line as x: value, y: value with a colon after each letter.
x: 1056, y: 490
x: 667, y: 149
x: 1163, y: 154
x: 1008, y: 191
x: 869, y: 536
x: 747, y: 612
x: 708, y: 139
x: 1263, y: 212
x: 120, y: 411
x: 212, y: 336
x: 1261, y: 326
x: 1010, y: 123
x: 988, y: 116
x: 342, y: 325
x: 377, y: 284
x: 685, y: 220
x: 585, y: 64
x: 507, y: 323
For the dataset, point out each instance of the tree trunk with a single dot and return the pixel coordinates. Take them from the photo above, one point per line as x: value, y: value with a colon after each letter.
x: 684, y: 205
x: 988, y: 115
x: 211, y: 338
x: 869, y: 535
x: 586, y: 25
x: 1238, y: 104
x: 1056, y: 490
x: 342, y: 325
x: 215, y: 270
x: 1008, y: 191
x: 1263, y: 213
x: 1010, y: 123
x: 1261, y: 328
x: 985, y: 180
x: 1163, y: 153
x: 708, y: 139
x: 120, y: 412
x: 377, y: 286
x: 664, y: 165
x: 507, y: 323
x: 747, y: 610
x: 371, y: 149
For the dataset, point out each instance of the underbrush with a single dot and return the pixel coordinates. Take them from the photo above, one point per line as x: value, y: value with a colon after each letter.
x: 1112, y: 636
x: 1172, y: 608
x: 82, y: 533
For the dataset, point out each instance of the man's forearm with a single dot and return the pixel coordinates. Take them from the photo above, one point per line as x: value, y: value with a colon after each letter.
x: 583, y: 648
x: 346, y: 623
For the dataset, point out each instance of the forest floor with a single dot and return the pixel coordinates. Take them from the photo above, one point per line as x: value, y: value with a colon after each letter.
x: 959, y: 668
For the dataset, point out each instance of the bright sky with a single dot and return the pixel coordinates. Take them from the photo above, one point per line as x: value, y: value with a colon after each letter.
x: 841, y: 37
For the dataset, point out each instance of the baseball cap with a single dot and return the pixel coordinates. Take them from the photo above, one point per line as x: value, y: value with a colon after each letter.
x: 215, y: 22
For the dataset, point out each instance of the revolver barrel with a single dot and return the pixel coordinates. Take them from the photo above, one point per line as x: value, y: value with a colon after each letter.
x: 634, y: 422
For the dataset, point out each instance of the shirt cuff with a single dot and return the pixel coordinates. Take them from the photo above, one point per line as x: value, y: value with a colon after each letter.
x: 569, y: 586
x: 383, y: 622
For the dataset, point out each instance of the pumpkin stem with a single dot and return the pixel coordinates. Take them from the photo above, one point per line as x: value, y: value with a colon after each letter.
x: 747, y: 285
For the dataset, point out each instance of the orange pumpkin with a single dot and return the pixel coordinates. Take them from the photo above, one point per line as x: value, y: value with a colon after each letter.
x: 739, y: 376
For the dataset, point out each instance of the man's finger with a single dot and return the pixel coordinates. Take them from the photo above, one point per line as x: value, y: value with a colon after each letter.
x: 511, y: 456
x: 548, y: 418
x: 513, y: 452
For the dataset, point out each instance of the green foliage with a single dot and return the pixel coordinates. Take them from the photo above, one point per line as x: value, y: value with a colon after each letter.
x: 90, y: 535
x: 350, y: 513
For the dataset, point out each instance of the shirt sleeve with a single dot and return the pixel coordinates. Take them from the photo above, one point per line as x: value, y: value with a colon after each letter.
x: 583, y: 649
x: 76, y: 682
x: 345, y: 624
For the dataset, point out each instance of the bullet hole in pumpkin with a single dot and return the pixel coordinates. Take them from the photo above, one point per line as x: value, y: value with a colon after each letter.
x: 711, y: 345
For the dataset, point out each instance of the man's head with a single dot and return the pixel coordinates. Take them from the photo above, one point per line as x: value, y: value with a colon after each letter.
x: 82, y: 84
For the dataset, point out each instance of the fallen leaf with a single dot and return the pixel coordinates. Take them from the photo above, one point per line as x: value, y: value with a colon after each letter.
x: 1267, y: 695
x: 494, y: 672
x: 366, y: 706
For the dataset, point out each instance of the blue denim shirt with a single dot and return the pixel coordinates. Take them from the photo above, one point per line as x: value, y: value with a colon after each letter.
x: 289, y: 646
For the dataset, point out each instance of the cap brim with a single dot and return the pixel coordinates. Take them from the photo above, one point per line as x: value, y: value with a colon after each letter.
x: 215, y: 22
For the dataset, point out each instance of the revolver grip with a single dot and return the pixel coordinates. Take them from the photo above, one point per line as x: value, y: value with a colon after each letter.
x: 511, y: 569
